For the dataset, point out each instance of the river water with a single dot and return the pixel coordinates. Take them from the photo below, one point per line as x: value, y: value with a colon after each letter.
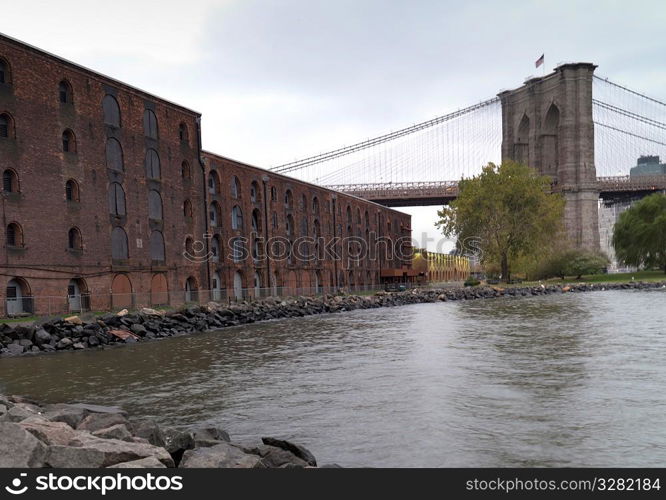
x: 563, y: 380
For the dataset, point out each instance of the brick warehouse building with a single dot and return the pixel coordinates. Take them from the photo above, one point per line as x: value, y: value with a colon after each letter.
x: 109, y: 202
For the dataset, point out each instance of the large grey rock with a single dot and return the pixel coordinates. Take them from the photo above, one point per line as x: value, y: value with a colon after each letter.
x: 15, y: 349
x: 19, y: 448
x: 20, y: 412
x: 223, y: 455
x: 48, y: 432
x: 144, y: 463
x: 274, y: 457
x: 150, y: 430
x: 177, y: 442
x: 68, y: 414
x: 86, y: 450
x: 118, y: 431
x: 209, y: 436
x: 298, y: 450
x: 42, y: 337
x: 64, y: 343
x: 97, y: 421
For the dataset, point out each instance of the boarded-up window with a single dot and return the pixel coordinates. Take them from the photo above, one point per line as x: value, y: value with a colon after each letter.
x: 157, y: 246
x: 152, y: 164
x: 114, y: 155
x: 4, y: 72
x: 111, y: 111
x: 149, y: 124
x: 236, y: 218
x: 119, y: 244
x: 235, y: 187
x: 116, y: 199
x: 154, y: 205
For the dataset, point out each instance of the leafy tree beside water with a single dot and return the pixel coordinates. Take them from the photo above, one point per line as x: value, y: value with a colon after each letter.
x: 508, y: 212
x: 639, y: 236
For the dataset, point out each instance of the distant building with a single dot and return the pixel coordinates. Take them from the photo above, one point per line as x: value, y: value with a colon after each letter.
x: 648, y: 165
x: 433, y: 267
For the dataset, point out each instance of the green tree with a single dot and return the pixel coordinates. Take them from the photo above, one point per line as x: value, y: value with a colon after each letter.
x: 507, y: 212
x: 573, y: 262
x: 639, y: 236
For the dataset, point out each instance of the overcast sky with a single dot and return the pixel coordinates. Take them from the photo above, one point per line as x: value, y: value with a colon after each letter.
x: 278, y: 80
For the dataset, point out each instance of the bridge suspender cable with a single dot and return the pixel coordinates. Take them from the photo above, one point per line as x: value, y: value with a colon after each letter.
x: 313, y: 160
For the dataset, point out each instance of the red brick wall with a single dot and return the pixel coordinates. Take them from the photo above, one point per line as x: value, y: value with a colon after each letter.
x: 35, y: 152
x: 46, y: 265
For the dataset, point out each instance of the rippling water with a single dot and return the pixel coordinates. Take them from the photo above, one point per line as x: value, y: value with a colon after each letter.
x: 567, y: 380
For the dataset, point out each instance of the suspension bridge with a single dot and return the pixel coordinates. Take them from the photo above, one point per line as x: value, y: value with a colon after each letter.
x: 583, y: 130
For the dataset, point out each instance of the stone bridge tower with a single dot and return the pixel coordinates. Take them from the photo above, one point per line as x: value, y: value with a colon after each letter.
x: 547, y: 124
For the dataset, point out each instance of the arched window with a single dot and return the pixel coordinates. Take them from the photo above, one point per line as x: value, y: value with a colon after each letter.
x: 275, y: 220
x: 213, y: 182
x: 183, y: 134
x: 65, y: 95
x: 111, y: 111
x: 116, y: 199
x: 191, y: 290
x: 315, y: 205
x: 6, y: 126
x: 185, y: 170
x: 152, y: 164
x: 187, y: 208
x: 236, y: 218
x: 154, y: 205
x: 304, y: 203
x: 72, y: 190
x: 215, y: 214
x: 289, y: 227
x: 215, y: 248
x: 150, y: 124
x: 114, y: 155
x: 10, y: 183
x: 14, y: 235
x: 237, y: 249
x: 189, y: 246
x: 235, y: 187
x: 304, y: 226
x: 358, y: 215
x: 273, y: 193
x: 367, y: 219
x: 254, y: 192
x: 256, y: 221
x: 119, y: 248
x: 68, y: 141
x: 74, y: 239
x: 157, y: 247
x: 5, y: 76
x: 288, y: 199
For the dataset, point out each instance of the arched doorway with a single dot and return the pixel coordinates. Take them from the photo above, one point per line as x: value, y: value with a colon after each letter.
x: 274, y: 284
x: 121, y: 292
x: 317, y: 283
x: 18, y: 298
x: 216, y: 288
x: 257, y: 284
x: 77, y: 295
x: 159, y: 291
x: 238, y: 285
x: 191, y: 290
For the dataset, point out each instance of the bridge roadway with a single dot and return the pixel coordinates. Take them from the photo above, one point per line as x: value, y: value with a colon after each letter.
x: 407, y: 194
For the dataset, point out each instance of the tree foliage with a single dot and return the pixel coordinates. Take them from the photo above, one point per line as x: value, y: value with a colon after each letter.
x: 639, y: 236
x: 574, y: 262
x: 507, y: 212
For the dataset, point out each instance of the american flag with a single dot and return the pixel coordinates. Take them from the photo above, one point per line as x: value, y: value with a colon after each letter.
x: 539, y: 61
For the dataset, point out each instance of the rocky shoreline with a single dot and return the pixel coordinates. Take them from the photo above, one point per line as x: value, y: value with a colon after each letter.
x: 72, y: 333
x: 92, y: 436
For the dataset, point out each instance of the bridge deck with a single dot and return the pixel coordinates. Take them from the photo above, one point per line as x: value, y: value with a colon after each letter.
x: 406, y: 194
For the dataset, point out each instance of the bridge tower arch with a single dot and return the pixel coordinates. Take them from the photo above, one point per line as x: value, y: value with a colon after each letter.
x: 547, y: 124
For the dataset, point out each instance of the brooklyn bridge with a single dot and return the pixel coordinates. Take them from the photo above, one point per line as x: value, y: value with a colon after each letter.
x: 583, y: 130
